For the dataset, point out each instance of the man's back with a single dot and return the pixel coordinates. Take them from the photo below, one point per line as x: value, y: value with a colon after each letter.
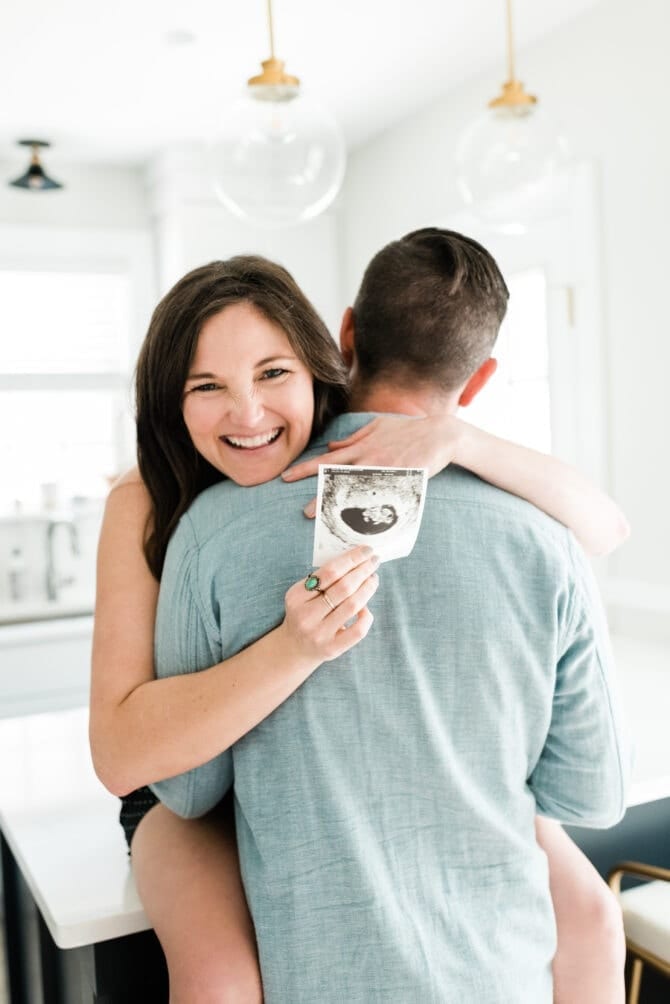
x: 385, y: 811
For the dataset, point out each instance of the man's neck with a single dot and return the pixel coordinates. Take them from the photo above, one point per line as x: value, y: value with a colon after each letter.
x: 420, y: 401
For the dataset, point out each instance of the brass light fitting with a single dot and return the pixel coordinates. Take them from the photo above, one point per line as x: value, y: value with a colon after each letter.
x: 513, y: 95
x: 273, y: 84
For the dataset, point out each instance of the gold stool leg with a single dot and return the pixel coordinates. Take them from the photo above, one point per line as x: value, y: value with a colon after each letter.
x: 635, y: 981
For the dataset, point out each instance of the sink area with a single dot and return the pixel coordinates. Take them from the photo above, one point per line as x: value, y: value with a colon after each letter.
x: 47, y: 564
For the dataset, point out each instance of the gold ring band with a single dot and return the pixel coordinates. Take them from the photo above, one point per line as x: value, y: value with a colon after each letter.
x: 326, y: 597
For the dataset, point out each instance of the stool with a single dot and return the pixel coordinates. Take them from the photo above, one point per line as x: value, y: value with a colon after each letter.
x: 646, y: 917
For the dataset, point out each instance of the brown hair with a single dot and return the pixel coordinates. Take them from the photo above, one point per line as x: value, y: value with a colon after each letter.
x: 428, y: 310
x: 172, y: 469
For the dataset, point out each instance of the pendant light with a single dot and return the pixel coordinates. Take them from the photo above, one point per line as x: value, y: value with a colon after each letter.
x: 280, y: 157
x: 35, y: 179
x: 511, y: 160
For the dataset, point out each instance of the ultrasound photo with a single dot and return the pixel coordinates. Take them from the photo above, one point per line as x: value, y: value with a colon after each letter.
x: 379, y: 506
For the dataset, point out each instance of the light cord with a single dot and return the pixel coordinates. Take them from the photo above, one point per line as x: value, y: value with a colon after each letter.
x: 510, y: 42
x: 271, y: 30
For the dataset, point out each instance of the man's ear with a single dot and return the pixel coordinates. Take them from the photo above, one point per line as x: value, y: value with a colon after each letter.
x: 347, y: 337
x: 478, y: 380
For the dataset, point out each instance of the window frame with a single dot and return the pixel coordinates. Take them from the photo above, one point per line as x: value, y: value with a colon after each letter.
x: 127, y: 252
x: 568, y: 250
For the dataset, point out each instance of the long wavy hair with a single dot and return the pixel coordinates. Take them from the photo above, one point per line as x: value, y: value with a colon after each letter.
x: 171, y: 467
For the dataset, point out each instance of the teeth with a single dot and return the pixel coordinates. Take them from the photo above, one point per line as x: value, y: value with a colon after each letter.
x: 249, y: 442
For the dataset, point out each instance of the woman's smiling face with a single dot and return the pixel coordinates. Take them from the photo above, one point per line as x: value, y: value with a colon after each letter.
x: 248, y: 399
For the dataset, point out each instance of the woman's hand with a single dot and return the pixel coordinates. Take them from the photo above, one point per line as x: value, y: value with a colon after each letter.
x: 434, y: 442
x: 316, y: 620
x: 391, y: 441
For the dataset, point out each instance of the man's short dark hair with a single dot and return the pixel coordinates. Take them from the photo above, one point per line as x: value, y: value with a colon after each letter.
x: 428, y: 310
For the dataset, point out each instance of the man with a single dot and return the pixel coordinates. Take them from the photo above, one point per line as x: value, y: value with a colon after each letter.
x: 385, y: 812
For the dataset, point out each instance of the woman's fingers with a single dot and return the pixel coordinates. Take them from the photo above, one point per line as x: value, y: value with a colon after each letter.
x: 341, y: 589
x: 351, y: 605
x: 391, y: 441
x: 325, y: 620
x: 359, y: 562
x: 340, y: 452
x: 345, y: 455
x: 332, y: 630
x: 353, y: 633
x: 344, y: 563
x: 307, y: 468
x: 355, y: 437
x: 310, y: 509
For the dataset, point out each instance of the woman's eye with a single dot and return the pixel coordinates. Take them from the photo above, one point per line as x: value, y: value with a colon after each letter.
x: 205, y: 387
x: 273, y: 373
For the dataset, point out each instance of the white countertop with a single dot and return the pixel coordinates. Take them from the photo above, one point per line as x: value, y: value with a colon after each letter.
x: 63, y: 829
x: 62, y: 825
x: 77, y: 869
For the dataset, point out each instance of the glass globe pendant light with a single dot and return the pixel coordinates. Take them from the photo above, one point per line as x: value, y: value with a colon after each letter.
x: 279, y: 158
x: 511, y: 160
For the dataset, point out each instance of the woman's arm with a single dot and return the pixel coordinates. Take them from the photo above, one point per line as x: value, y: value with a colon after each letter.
x: 436, y: 441
x: 143, y: 729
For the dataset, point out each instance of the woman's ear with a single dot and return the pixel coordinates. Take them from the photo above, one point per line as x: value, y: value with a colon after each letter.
x: 477, y: 381
x: 347, y: 337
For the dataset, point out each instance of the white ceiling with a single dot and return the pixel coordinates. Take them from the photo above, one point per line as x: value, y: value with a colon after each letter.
x: 103, y: 82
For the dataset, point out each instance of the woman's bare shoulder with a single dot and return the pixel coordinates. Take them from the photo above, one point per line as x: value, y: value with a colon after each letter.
x: 128, y: 501
x: 131, y: 478
x: 130, y: 485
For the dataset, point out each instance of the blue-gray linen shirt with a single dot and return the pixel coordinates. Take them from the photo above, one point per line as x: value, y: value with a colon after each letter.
x: 385, y: 811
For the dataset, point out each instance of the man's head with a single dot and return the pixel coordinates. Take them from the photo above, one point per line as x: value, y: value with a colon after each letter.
x: 426, y: 317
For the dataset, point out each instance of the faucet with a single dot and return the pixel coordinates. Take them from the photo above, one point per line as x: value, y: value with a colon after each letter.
x: 53, y: 581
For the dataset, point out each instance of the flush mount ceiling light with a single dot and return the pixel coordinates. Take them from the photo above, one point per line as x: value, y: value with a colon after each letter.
x: 279, y: 158
x: 511, y: 161
x: 35, y: 178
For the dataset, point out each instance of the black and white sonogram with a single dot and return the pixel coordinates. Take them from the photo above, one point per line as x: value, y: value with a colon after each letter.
x: 379, y: 506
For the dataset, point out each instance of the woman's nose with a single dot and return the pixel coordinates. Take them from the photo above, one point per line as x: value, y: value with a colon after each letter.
x: 247, y: 409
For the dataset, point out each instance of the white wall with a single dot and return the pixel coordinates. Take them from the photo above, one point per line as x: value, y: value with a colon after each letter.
x: 192, y: 228
x: 93, y: 196
x: 606, y: 74
x: 102, y: 215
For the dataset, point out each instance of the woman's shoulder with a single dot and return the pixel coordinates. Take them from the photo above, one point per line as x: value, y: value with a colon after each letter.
x: 131, y: 477
x: 129, y: 497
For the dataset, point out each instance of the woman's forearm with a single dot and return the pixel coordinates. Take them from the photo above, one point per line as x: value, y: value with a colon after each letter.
x: 145, y: 729
x: 165, y: 727
x: 551, y: 485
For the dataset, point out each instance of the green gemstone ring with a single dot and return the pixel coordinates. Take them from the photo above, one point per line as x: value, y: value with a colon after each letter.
x: 312, y: 582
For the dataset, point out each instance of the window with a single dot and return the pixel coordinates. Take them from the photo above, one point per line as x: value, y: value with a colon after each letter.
x: 74, y: 306
x: 65, y: 357
x: 517, y: 402
x: 549, y: 391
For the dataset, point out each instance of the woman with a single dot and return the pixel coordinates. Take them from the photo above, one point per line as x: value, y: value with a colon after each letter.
x: 143, y: 729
